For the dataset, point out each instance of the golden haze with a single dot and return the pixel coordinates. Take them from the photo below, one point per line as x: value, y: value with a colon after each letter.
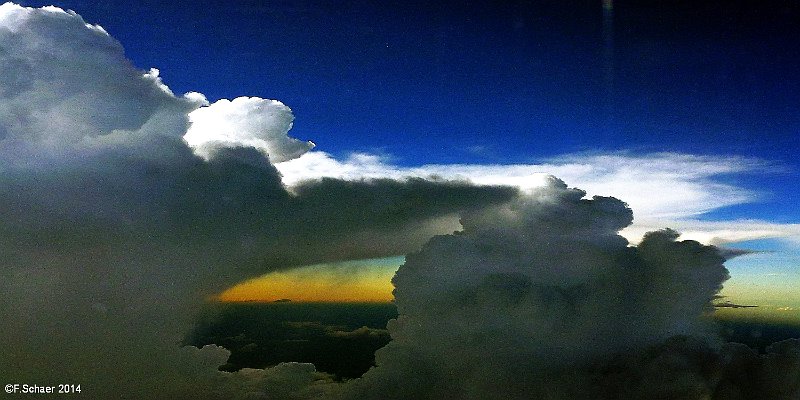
x: 353, y: 281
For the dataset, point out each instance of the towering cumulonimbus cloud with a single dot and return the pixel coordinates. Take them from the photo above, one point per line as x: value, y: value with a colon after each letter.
x: 67, y: 85
x: 540, y: 298
x: 113, y: 230
x: 534, y: 286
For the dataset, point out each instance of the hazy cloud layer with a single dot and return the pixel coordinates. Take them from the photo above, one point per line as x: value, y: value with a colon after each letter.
x: 683, y: 183
x: 664, y: 189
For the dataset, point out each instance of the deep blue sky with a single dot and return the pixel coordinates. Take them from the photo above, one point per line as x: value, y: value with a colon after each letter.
x: 485, y: 82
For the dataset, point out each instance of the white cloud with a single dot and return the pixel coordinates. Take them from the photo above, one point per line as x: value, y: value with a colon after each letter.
x: 662, y: 185
x: 67, y: 88
x: 663, y: 189
x: 94, y: 98
x: 719, y: 232
x: 245, y: 122
x: 540, y: 298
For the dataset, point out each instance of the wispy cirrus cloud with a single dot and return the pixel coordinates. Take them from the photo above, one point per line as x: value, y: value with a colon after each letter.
x: 664, y: 189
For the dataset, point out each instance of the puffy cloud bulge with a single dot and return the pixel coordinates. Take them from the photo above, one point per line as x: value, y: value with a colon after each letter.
x: 541, y: 298
x: 123, y: 206
x: 245, y: 122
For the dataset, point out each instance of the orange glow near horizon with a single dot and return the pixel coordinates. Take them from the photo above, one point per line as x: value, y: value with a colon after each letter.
x: 367, y: 281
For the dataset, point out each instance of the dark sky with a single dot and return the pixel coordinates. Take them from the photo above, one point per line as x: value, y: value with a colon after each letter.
x: 520, y: 80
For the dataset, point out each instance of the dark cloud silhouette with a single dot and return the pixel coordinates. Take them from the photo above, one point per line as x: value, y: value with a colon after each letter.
x: 689, y: 368
x: 728, y: 304
x: 729, y: 252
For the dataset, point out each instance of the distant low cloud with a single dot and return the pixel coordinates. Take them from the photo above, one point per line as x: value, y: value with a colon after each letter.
x: 337, y: 330
x: 359, y: 333
x: 728, y: 304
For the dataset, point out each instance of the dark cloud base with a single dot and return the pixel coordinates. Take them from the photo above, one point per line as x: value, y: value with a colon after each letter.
x: 341, y: 338
x: 338, y: 338
x: 756, y: 335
